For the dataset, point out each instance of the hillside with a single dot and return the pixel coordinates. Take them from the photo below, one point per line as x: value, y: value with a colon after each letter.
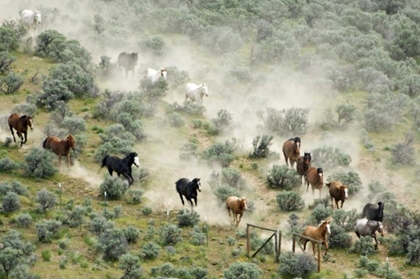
x: 341, y: 76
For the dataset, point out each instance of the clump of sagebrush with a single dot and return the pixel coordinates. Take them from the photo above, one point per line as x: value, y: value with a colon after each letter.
x: 112, y: 243
x: 100, y: 224
x: 47, y: 229
x: 289, y: 201
x: 11, y: 202
x: 363, y: 246
x: 174, y: 120
x: 170, y: 234
x: 224, y: 191
x: 24, y: 220
x: 114, y: 213
x: 329, y: 157
x: 135, y: 196
x: 189, y: 108
x: 187, y: 218
x: 345, y: 115
x: 283, y: 178
x: 131, y: 266
x: 338, y: 238
x: 6, y: 61
x: 221, y: 152
x: 242, y: 270
x: 261, y: 146
x: 297, y: 265
x: 233, y: 178
x: 75, y: 218
x: 114, y: 187
x: 39, y: 163
x: 10, y: 83
x: 257, y: 242
x: 46, y: 199
x: 345, y: 219
x: 7, y: 165
x: 404, y: 153
x: 150, y: 250
x: 375, y: 268
x: 319, y: 213
x: 293, y: 221
x: 131, y: 234
x: 291, y: 121
x: 221, y: 123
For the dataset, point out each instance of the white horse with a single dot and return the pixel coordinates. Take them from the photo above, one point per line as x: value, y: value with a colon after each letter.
x: 196, y: 92
x: 31, y: 19
x: 154, y: 75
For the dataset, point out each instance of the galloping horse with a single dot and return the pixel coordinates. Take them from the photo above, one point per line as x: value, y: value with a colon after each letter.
x: 20, y: 124
x: 373, y: 212
x: 237, y: 206
x: 128, y: 61
x: 121, y: 166
x: 319, y: 233
x: 315, y: 177
x: 196, y: 92
x: 365, y: 227
x: 60, y: 147
x: 338, y: 192
x: 31, y: 19
x: 291, y: 151
x: 303, y: 164
x: 154, y: 75
x: 189, y: 189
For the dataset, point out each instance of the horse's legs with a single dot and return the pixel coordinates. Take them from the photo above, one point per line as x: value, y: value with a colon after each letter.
x: 25, y: 136
x: 195, y: 200
x: 325, y: 243
x: 342, y: 201
x: 313, y: 247
x: 180, y: 195
x: 59, y: 161
x: 110, y: 171
x: 376, y: 241
x: 239, y: 219
x: 13, y: 134
x: 68, y: 160
x: 320, y: 191
x: 358, y: 234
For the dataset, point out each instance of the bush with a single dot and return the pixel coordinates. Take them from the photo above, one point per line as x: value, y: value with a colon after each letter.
x: 131, y: 234
x: 74, y: 125
x: 222, y: 122
x: 350, y: 179
x: 403, y: 154
x: 170, y: 234
x: 24, y: 220
x: 114, y: 187
x: 242, y: 270
x: 112, y: 243
x: 175, y: 120
x: 100, y: 224
x: 46, y: 229
x: 10, y: 83
x: 135, y: 196
x: 320, y: 213
x: 76, y: 217
x: 364, y: 246
x: 39, y: 163
x: 345, y: 219
x: 11, y: 202
x: 46, y: 199
x: 131, y: 266
x: 261, y: 146
x: 146, y: 211
x: 233, y: 178
x: 297, y: 265
x: 166, y: 269
x: 338, y: 237
x: 10, y: 34
x: 289, y: 201
x: 223, y: 192
x: 198, y: 237
x: 187, y: 218
x: 150, y: 250
x: 190, y: 108
x: 257, y: 242
x: 283, y: 178
x: 330, y: 157
x: 6, y: 61
x: 221, y: 153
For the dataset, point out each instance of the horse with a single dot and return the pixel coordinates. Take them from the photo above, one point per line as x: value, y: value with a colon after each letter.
x: 319, y: 233
x: 20, y: 124
x: 188, y: 188
x: 128, y: 61
x: 31, y: 19
x: 155, y: 75
x: 373, y: 212
x: 338, y: 192
x: 315, y: 177
x: 60, y: 147
x: 237, y: 206
x: 121, y: 166
x: 291, y: 151
x: 196, y: 92
x: 365, y: 227
x: 303, y: 164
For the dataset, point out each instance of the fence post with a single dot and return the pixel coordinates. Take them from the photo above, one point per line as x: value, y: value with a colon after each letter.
x: 279, y: 248
x: 294, y: 244
x: 247, y: 240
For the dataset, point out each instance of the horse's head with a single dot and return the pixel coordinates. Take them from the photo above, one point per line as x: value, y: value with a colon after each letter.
x: 72, y: 141
x: 163, y: 72
x: 346, y: 191
x: 134, y: 56
x: 380, y: 228
x: 197, y: 184
x: 37, y: 18
x: 326, y: 223
x: 204, y: 89
x: 30, y: 122
x: 307, y: 158
x: 320, y: 172
x: 243, y: 203
x: 136, y: 159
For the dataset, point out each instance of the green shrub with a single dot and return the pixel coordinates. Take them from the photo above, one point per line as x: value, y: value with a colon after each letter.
x: 363, y: 246
x: 76, y: 217
x: 345, y: 219
x: 24, y: 220
x: 261, y: 146
x: 289, y: 201
x: 146, y: 211
x: 233, y: 178
x: 283, y: 178
x: 329, y: 157
x: 150, y: 250
x: 198, y: 237
x: 223, y: 192
x: 46, y: 199
x: 413, y: 253
x: 175, y: 120
x: 11, y: 202
x: 297, y: 265
x: 242, y: 270
x: 319, y: 213
x: 6, y: 61
x: 39, y: 163
x: 63, y: 243
x: 47, y: 229
x: 187, y: 218
x: 100, y: 224
x: 114, y: 187
x: 170, y: 234
x: 46, y: 255
x: 222, y: 122
x: 131, y: 266
x: 257, y: 242
x: 131, y: 234
x: 112, y: 243
x: 221, y: 153
x: 10, y: 83
x: 135, y: 196
x: 338, y: 238
x: 166, y: 269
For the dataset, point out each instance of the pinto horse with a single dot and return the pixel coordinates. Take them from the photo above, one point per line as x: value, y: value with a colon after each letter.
x: 60, y: 147
x: 20, y: 124
x: 319, y: 233
x: 121, y: 166
x: 237, y: 206
x: 291, y: 151
x: 189, y: 189
x: 303, y: 164
x: 315, y: 177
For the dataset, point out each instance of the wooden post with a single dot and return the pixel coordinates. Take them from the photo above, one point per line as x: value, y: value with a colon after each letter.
x: 319, y: 258
x: 294, y: 244
x: 247, y: 240
x: 278, y: 246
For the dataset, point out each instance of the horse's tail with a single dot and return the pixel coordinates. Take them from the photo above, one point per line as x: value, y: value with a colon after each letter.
x: 44, y: 143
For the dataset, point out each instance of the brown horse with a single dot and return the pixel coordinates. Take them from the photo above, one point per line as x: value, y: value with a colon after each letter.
x: 60, y: 147
x: 303, y: 165
x: 291, y: 151
x: 315, y: 177
x: 20, y: 124
x: 319, y: 233
x: 338, y: 192
x: 237, y: 206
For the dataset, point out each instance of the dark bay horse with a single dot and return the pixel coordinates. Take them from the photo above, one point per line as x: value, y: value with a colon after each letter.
x: 60, y: 147
x: 374, y: 212
x: 20, y: 124
x: 303, y: 165
x: 315, y: 177
x: 291, y: 151
x: 121, y: 166
x: 189, y: 189
x: 237, y: 206
x: 319, y: 233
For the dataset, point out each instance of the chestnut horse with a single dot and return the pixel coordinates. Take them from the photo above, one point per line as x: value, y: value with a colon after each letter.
x: 20, y: 124
x: 237, y: 206
x: 319, y: 233
x: 303, y: 164
x: 315, y: 177
x: 60, y: 147
x: 291, y: 151
x: 338, y: 192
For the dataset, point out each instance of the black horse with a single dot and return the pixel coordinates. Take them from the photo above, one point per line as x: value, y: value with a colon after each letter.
x: 374, y: 212
x: 188, y: 188
x: 121, y: 166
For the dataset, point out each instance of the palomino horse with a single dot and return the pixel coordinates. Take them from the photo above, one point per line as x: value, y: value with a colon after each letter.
x: 319, y: 233
x: 291, y: 151
x: 20, y: 124
x: 303, y: 164
x: 237, y: 206
x: 121, y: 166
x: 154, y: 75
x: 60, y: 147
x: 315, y: 177
x: 338, y: 192
x: 189, y: 189
x: 196, y: 92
